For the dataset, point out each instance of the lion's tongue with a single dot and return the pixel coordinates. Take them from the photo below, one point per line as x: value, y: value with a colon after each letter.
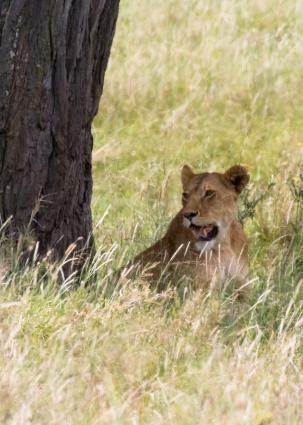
x: 204, y: 231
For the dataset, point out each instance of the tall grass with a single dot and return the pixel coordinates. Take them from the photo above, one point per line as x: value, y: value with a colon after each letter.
x: 210, y: 83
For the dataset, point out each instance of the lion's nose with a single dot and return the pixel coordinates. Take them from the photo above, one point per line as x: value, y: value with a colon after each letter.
x: 190, y: 214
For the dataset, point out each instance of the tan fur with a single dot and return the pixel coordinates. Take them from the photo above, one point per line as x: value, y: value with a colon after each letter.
x: 213, y: 197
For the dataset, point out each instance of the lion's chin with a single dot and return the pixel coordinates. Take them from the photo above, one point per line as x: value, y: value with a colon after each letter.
x: 205, y: 246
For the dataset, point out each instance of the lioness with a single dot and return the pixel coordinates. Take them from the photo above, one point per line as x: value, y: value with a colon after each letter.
x: 205, y: 239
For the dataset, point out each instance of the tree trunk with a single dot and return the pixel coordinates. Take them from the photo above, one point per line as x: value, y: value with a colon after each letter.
x: 53, y: 57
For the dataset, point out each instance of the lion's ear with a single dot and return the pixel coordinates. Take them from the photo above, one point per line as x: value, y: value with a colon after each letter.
x: 186, y: 175
x: 238, y: 177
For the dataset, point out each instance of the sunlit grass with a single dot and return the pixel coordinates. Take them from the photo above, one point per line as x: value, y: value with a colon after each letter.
x: 210, y: 83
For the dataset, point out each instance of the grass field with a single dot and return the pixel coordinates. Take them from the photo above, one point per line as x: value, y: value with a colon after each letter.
x: 209, y: 83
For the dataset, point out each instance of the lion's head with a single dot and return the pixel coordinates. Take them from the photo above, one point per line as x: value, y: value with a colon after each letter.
x: 210, y: 202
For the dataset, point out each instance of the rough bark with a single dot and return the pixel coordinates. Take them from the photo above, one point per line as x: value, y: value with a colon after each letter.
x: 53, y: 57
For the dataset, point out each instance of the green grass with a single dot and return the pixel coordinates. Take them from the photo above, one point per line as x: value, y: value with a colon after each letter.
x: 209, y: 83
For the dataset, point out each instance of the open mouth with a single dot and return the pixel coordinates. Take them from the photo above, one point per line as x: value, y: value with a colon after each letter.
x: 204, y: 233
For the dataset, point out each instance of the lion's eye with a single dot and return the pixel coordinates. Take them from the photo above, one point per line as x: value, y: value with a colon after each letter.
x: 209, y: 193
x: 185, y: 195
